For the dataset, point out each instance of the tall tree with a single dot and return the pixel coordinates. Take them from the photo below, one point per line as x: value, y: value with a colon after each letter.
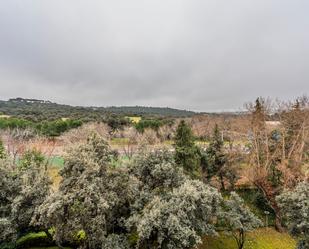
x: 277, y: 154
x: 92, y: 199
x: 177, y: 219
x: 216, y: 157
x: 22, y: 189
x: 186, y: 152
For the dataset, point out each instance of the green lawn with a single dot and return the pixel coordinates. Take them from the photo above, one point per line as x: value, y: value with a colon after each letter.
x: 266, y: 238
x: 56, y: 161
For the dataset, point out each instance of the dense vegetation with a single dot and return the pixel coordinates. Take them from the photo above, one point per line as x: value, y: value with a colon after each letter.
x: 45, y: 128
x: 162, y: 198
x: 38, y: 110
x: 149, y: 204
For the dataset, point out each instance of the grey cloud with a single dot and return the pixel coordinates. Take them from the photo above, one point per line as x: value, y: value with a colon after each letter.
x: 206, y: 55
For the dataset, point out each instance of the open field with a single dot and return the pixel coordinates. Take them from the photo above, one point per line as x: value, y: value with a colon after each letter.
x: 266, y: 238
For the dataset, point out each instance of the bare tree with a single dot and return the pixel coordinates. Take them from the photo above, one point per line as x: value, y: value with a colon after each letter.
x: 277, y: 151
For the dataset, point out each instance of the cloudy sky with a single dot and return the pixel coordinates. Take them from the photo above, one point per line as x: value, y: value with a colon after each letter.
x: 209, y: 55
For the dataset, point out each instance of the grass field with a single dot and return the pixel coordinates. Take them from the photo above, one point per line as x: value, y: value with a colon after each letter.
x: 266, y: 238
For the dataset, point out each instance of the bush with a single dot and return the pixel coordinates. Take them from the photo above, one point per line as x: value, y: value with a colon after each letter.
x: 143, y: 124
x: 34, y: 240
x: 47, y: 128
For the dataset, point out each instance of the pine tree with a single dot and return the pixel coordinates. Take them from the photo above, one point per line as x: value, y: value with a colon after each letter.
x: 216, y: 157
x: 186, y: 152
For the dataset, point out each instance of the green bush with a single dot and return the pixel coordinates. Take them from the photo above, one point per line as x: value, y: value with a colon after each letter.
x: 34, y: 240
x: 46, y: 128
x: 7, y: 246
x: 148, y: 123
x: 257, y: 203
x: 12, y: 123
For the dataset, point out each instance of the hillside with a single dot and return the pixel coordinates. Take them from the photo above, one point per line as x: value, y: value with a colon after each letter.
x: 38, y: 110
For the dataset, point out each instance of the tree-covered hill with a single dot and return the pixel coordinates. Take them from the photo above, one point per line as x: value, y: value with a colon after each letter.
x: 38, y: 110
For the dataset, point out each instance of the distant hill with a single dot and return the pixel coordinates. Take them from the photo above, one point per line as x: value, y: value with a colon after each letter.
x: 38, y: 110
x: 142, y: 110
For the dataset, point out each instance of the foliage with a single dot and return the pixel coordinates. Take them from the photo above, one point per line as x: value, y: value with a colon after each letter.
x: 91, y: 197
x: 2, y: 150
x: 57, y: 127
x: 12, y: 123
x: 31, y: 158
x: 277, y: 157
x: 22, y: 190
x: 215, y: 158
x: 170, y: 211
x: 40, y: 110
x: 187, y: 154
x: 46, y: 128
x: 148, y: 123
x: 117, y: 122
x: 295, y: 208
x: 177, y: 219
x: 115, y: 241
x: 257, y: 203
x: 239, y: 219
x: 263, y: 238
x: 157, y: 170
x: 112, y: 205
x: 39, y: 239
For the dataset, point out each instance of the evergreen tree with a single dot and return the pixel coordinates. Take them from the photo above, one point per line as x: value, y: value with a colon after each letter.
x: 187, y: 153
x: 258, y: 114
x: 215, y: 157
x: 2, y: 150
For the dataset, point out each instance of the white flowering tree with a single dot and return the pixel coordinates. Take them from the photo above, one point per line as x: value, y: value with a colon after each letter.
x: 149, y: 204
x: 178, y: 219
x: 238, y: 219
x: 92, y: 200
x: 295, y: 208
x: 22, y: 188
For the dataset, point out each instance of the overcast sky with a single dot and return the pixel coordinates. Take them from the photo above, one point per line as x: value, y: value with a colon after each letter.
x: 206, y: 55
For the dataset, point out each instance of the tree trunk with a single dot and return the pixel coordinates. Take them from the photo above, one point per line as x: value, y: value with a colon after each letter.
x: 222, y: 182
x: 278, y: 224
x: 269, y: 194
x: 242, y: 239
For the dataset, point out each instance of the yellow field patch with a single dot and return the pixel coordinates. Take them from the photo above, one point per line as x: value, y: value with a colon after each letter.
x: 135, y: 120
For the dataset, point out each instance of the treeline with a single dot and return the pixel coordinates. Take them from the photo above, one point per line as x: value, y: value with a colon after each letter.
x: 152, y: 123
x: 45, y: 128
x: 145, y: 110
x: 39, y: 110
